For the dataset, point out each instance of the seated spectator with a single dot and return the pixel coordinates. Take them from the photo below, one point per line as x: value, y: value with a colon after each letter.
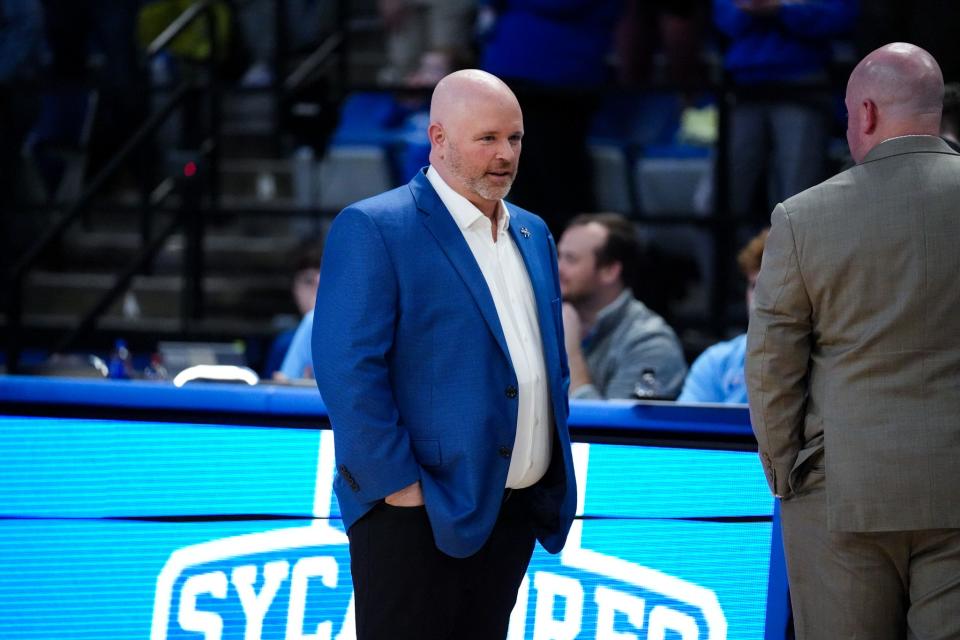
x: 950, y: 121
x: 613, y: 340
x: 306, y: 277
x: 717, y: 375
x: 298, y: 363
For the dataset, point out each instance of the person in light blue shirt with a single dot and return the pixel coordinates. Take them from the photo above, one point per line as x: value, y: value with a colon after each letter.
x: 298, y: 363
x: 306, y: 277
x: 717, y: 375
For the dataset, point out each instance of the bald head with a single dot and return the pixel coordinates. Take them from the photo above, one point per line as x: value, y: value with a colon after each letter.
x: 456, y: 94
x: 475, y: 131
x: 894, y: 91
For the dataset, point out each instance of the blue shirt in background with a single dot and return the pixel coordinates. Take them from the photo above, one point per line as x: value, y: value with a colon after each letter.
x: 299, y: 358
x: 717, y: 375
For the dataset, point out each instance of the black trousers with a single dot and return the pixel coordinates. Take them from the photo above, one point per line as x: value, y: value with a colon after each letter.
x: 406, y: 588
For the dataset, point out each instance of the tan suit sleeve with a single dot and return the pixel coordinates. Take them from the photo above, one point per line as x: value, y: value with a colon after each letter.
x: 778, y: 354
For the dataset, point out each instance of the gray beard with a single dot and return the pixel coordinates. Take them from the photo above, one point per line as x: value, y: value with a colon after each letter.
x: 477, y: 185
x: 488, y: 192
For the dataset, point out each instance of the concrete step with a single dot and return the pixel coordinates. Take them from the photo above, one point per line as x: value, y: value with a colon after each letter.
x: 215, y: 327
x: 250, y: 183
x: 260, y: 179
x: 245, y: 109
x: 252, y: 298
x: 107, y: 251
x: 218, y: 328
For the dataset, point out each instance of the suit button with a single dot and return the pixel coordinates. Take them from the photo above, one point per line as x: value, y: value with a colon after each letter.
x: 345, y: 474
x: 511, y: 392
x: 504, y: 452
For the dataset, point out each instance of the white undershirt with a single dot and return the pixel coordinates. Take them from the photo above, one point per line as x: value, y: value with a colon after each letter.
x: 509, y: 284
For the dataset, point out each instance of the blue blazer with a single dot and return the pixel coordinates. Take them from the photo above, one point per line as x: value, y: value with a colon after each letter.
x: 412, y: 364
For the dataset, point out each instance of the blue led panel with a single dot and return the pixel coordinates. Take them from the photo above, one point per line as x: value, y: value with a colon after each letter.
x: 129, y: 530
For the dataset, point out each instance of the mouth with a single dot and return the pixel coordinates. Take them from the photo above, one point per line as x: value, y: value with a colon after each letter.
x: 500, y: 175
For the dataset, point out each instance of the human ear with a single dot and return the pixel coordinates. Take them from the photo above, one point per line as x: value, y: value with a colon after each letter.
x: 869, y: 121
x: 610, y: 273
x: 435, y: 134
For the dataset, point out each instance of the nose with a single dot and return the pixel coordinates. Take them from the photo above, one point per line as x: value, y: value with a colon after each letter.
x: 506, y: 151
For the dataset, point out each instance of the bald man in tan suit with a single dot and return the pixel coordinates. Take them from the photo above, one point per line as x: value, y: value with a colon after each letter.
x: 853, y: 368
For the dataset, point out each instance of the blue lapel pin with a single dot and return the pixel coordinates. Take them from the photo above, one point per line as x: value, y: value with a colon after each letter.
x: 525, y: 232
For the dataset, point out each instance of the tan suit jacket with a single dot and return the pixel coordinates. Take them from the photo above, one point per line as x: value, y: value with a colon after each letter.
x: 854, y: 342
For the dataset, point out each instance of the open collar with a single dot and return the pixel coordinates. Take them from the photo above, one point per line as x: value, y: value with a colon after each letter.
x: 464, y: 212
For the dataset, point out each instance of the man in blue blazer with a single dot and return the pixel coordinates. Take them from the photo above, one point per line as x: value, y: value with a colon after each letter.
x: 438, y: 350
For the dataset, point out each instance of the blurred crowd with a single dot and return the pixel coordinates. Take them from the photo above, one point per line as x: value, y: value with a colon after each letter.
x: 780, y: 64
x: 780, y: 59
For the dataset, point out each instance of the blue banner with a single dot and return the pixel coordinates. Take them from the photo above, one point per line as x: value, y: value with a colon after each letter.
x: 128, y: 529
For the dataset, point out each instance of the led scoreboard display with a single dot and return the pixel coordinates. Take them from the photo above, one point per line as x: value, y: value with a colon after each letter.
x: 135, y: 511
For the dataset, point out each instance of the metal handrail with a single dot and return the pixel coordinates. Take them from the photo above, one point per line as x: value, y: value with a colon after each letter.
x: 138, y: 264
x: 313, y: 62
x: 96, y: 184
x: 335, y: 43
x: 179, y: 24
x: 76, y: 210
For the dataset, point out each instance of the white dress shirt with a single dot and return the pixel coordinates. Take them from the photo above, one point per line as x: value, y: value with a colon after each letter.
x: 509, y: 283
